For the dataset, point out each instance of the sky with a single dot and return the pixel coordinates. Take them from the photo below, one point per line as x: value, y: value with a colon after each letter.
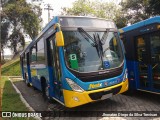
x: 56, y: 6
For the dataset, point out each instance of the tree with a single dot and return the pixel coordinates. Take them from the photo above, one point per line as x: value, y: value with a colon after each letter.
x: 21, y: 17
x: 4, y: 34
x: 154, y: 7
x: 137, y: 10
x: 96, y: 9
x: 80, y: 8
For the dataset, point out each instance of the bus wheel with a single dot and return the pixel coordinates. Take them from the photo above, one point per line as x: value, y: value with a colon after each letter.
x: 34, y: 88
x: 45, y: 89
x: 26, y: 80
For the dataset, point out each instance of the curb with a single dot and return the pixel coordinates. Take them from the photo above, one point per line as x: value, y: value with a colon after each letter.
x: 23, y: 100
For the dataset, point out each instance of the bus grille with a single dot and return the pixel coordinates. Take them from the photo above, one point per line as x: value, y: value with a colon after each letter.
x: 98, y: 95
x: 96, y: 76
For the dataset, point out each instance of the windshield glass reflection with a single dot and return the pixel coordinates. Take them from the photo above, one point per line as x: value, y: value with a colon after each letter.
x: 92, y: 51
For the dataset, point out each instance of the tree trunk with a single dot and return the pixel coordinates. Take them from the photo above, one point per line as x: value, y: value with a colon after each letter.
x: 2, y: 55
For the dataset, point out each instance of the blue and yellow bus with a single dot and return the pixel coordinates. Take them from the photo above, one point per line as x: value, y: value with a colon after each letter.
x: 142, y: 45
x: 76, y: 60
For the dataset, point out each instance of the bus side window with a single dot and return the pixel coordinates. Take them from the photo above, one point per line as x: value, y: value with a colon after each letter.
x: 155, y: 47
x: 141, y: 49
x: 40, y: 52
x: 34, y: 54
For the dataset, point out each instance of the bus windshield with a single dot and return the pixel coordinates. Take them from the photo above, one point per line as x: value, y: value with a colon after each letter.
x: 90, y: 51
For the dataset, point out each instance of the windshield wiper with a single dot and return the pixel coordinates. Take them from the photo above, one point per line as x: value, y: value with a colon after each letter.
x: 104, y: 37
x: 99, y: 45
x: 87, y: 37
x: 95, y: 41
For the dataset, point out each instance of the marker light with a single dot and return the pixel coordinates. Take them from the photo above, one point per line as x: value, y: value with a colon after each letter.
x: 74, y: 86
x: 125, y: 75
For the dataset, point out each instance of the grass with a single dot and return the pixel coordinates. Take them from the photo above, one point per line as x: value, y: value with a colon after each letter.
x: 11, y: 99
x: 12, y: 68
x: 9, y: 62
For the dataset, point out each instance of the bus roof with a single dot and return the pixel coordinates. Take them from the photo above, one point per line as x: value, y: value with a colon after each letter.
x: 142, y: 23
x: 56, y: 20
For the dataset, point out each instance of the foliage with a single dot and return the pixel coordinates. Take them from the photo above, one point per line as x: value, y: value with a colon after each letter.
x: 9, y: 62
x: 4, y: 34
x: 137, y: 10
x: 10, y: 99
x: 12, y: 69
x: 128, y: 11
x: 81, y: 8
x: 3, y: 61
x: 19, y: 17
x: 107, y: 10
x: 154, y: 7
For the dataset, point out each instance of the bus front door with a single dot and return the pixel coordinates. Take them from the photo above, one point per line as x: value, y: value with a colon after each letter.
x: 143, y: 71
x: 53, y: 60
x: 155, y: 60
x: 148, y: 55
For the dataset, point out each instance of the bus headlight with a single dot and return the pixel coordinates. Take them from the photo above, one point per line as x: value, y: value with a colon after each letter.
x: 125, y: 75
x: 74, y: 86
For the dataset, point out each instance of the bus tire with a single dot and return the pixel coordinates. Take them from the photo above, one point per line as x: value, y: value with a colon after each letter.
x: 34, y: 88
x: 45, y: 91
x: 26, y: 80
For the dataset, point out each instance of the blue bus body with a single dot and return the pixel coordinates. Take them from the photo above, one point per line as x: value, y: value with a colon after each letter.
x: 142, y: 45
x: 45, y: 64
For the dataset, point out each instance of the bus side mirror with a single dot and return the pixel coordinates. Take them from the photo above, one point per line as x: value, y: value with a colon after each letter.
x: 59, y: 39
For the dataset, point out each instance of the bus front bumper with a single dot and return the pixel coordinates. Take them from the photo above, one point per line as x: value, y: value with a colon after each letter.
x: 73, y: 99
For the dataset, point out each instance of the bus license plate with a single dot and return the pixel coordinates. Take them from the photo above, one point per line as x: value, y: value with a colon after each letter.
x: 106, y: 96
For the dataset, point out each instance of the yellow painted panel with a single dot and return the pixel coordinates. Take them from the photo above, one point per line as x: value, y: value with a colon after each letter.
x: 59, y: 38
x: 124, y: 87
x: 115, y: 41
x: 73, y: 99
x: 69, y: 96
x: 33, y: 72
x: 121, y: 31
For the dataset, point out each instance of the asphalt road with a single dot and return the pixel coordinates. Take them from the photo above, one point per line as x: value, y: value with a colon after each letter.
x: 139, y: 101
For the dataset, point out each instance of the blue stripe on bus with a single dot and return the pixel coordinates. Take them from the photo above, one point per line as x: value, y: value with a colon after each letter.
x: 84, y: 85
x: 142, y: 23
